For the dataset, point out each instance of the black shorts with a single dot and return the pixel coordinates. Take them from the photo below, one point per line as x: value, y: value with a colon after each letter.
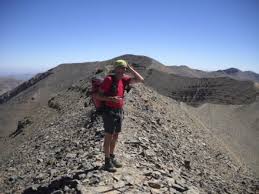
x: 112, y: 120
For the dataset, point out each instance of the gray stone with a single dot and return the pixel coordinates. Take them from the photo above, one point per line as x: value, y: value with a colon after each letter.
x: 57, y: 192
x: 53, y: 172
x: 13, y: 178
x: 71, y: 155
x: 192, y: 190
x: 154, y: 184
x: 156, y: 175
x: 119, y: 184
x: 35, y: 187
x: 82, y: 176
x: 179, y: 188
x: 155, y: 191
x: 93, y: 180
x: 39, y: 160
x: 128, y: 179
x: 66, y: 188
x: 170, y: 181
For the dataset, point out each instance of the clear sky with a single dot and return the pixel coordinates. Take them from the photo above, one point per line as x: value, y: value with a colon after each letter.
x: 36, y: 35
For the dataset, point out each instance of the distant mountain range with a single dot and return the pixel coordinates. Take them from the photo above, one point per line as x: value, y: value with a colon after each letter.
x: 233, y: 73
x: 18, y: 76
x: 9, y: 82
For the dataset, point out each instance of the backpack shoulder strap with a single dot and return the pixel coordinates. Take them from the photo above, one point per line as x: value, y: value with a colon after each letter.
x: 113, y: 89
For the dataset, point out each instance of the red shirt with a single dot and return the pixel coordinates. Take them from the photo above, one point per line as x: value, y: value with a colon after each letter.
x: 106, y: 88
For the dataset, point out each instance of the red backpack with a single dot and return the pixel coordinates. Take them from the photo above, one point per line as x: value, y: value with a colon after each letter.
x: 96, y: 83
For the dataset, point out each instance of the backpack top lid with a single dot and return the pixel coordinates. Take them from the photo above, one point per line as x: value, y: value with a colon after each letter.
x: 99, y: 77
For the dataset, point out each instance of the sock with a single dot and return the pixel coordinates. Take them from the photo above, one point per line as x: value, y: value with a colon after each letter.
x: 107, y: 160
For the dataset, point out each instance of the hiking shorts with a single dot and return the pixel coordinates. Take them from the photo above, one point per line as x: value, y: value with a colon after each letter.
x: 112, y: 120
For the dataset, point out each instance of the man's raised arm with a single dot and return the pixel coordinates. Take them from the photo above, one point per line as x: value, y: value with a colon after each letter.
x: 137, y: 77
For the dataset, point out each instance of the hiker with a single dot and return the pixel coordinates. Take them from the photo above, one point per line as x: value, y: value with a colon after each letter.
x: 111, y: 92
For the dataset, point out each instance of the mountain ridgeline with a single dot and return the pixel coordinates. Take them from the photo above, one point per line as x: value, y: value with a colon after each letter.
x: 211, y: 87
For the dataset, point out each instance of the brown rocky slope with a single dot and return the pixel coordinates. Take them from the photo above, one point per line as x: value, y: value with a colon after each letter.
x: 163, y: 149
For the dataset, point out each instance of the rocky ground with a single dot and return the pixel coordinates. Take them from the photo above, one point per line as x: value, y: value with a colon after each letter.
x: 163, y: 149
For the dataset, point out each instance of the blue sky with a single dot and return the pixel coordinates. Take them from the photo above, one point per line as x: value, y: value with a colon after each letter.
x: 37, y: 35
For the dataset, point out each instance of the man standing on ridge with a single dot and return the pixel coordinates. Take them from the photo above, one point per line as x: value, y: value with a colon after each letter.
x: 112, y: 93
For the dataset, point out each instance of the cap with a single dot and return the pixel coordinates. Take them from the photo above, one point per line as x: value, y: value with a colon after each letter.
x: 120, y: 63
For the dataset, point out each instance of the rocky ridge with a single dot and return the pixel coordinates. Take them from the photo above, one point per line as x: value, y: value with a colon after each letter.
x: 162, y: 147
x: 196, y: 91
x: 10, y: 94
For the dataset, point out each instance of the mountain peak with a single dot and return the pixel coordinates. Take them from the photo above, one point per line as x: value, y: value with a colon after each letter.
x: 231, y: 70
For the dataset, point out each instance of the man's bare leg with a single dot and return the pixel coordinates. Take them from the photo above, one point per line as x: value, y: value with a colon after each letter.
x: 106, y: 145
x: 112, y: 147
x: 113, y: 142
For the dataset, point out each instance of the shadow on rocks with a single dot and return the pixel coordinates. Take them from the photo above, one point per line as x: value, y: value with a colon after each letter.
x: 57, y: 186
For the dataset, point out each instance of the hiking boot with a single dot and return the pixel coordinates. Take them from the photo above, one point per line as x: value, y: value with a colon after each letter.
x: 108, y: 166
x: 115, y: 162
